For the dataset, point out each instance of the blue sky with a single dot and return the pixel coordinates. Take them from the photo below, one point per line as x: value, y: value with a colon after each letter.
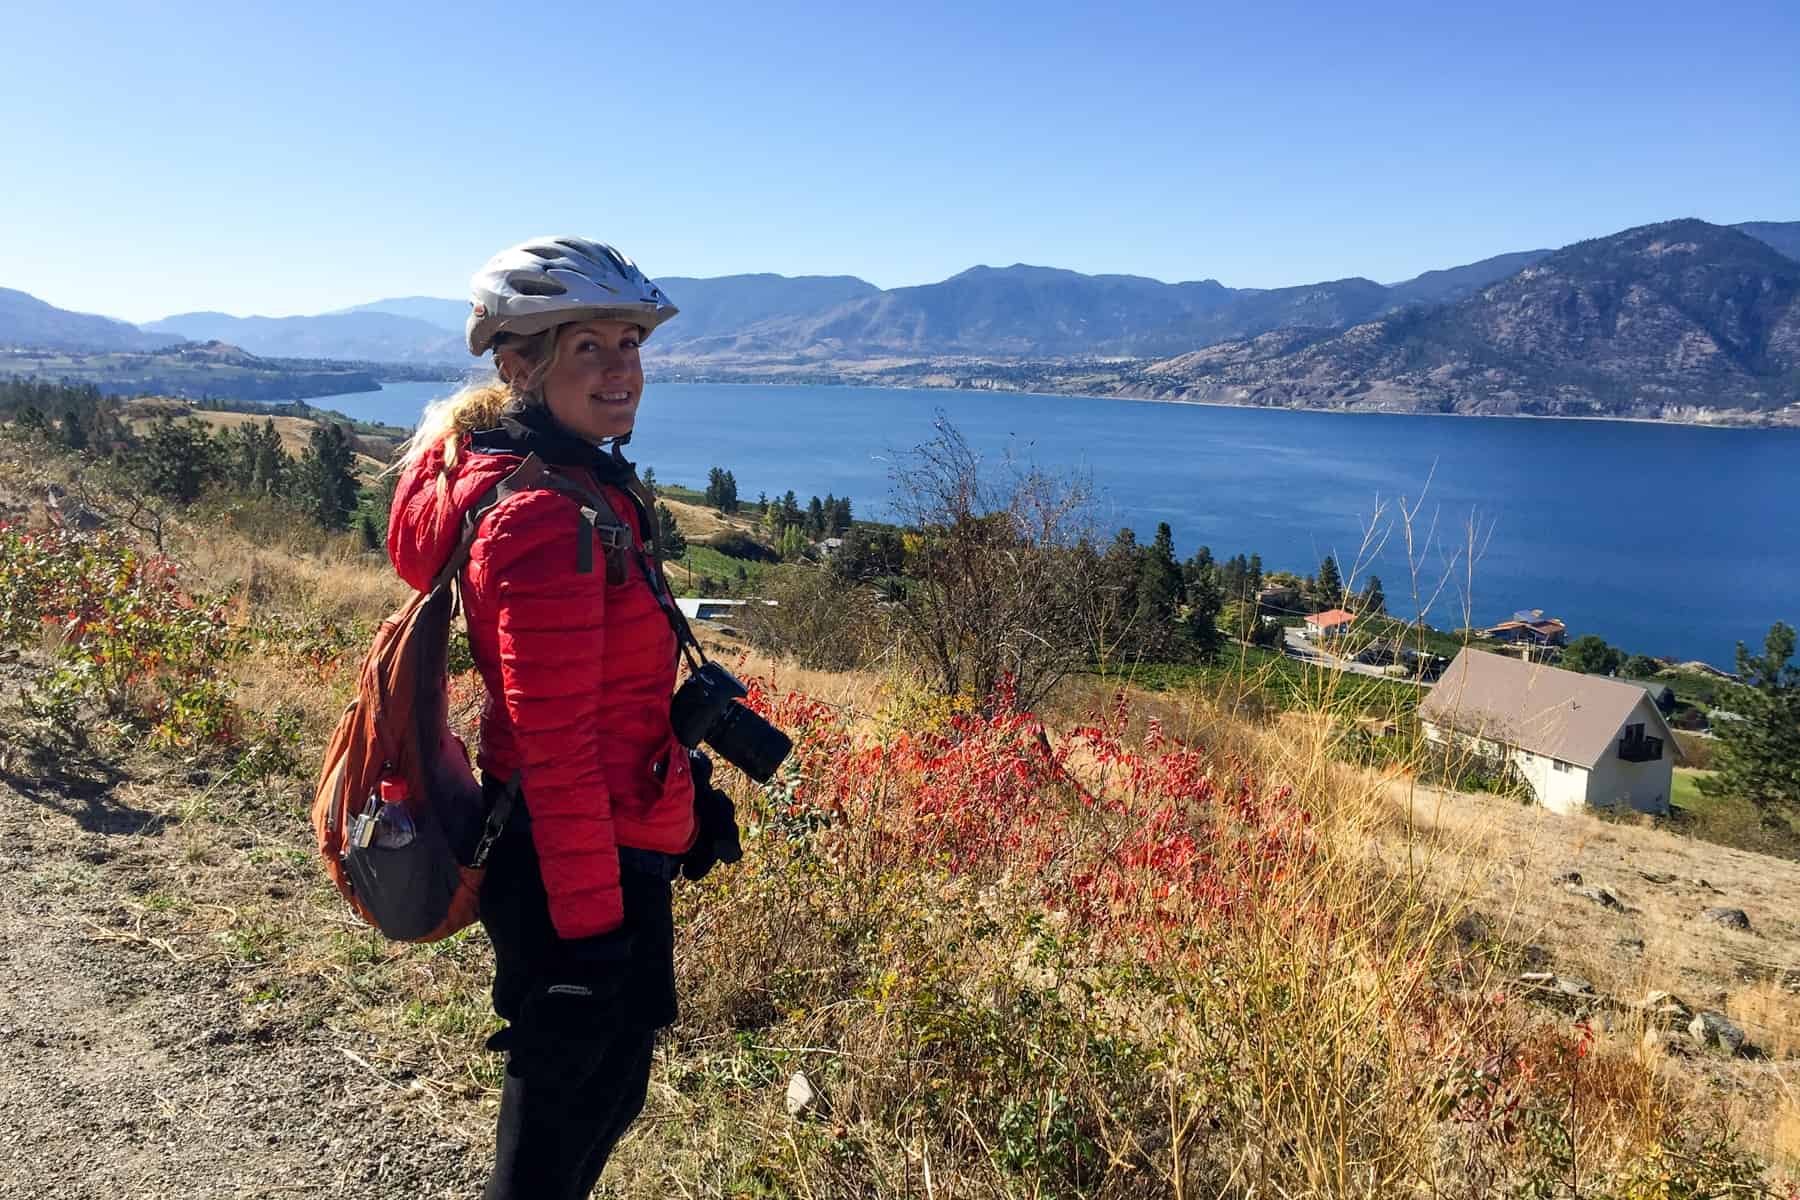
x: 287, y: 158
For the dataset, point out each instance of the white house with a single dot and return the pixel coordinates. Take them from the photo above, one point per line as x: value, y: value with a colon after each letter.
x: 1580, y: 740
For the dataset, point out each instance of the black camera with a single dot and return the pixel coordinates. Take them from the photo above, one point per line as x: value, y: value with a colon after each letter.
x: 706, y: 709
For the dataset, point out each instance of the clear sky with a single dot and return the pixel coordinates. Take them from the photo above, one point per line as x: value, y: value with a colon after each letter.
x: 283, y: 158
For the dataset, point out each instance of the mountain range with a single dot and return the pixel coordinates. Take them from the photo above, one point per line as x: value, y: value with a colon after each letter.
x: 1666, y: 318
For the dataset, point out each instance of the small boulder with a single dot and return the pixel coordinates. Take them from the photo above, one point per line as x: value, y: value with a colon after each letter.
x: 803, y: 1099
x: 1568, y: 879
x: 1657, y: 876
x: 1574, y: 985
x: 1730, y: 918
x: 1599, y: 895
x: 1716, y: 1029
x: 1664, y: 1010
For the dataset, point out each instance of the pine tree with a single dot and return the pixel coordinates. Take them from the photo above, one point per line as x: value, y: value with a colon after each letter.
x: 371, y: 537
x: 1159, y: 582
x: 177, y: 460
x: 815, y: 518
x: 715, y: 487
x: 1759, y: 756
x: 728, y: 497
x: 71, y: 432
x: 840, y: 517
x: 1201, y: 622
x: 326, y: 480
x: 1331, y: 583
x: 1373, y: 599
x: 673, y: 544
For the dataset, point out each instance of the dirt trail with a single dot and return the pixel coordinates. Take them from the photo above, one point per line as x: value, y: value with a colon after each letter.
x: 135, y: 1070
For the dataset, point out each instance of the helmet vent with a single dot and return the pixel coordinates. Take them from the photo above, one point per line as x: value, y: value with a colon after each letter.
x: 543, y: 252
x: 526, y: 285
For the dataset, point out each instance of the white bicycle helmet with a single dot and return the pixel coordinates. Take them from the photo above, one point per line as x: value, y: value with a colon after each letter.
x: 547, y: 281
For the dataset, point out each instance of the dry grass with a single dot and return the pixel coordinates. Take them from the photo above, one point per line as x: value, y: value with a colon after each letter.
x: 697, y: 522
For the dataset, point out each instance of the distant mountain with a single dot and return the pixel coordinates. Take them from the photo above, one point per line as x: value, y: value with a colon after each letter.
x: 27, y: 321
x: 1016, y: 310
x: 1664, y: 320
x: 358, y: 336
x: 449, y: 315
x: 1457, y: 283
x: 1783, y: 235
x: 728, y: 304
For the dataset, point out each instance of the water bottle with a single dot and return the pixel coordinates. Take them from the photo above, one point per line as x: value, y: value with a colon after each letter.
x: 394, y: 825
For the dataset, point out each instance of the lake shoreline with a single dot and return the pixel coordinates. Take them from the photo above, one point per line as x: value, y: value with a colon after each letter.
x: 1227, y: 404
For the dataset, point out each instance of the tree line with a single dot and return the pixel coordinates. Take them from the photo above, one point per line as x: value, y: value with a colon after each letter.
x: 177, y: 461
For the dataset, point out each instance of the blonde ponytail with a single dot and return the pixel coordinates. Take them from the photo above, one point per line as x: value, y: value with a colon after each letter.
x: 480, y: 405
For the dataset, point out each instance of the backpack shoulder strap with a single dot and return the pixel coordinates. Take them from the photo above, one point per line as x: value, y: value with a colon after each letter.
x: 531, y: 475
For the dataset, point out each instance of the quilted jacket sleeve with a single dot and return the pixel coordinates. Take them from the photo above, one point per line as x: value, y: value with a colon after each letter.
x: 550, y: 639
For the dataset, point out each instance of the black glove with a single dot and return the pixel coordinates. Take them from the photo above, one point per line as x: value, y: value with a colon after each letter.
x: 715, y: 821
x: 572, y: 1013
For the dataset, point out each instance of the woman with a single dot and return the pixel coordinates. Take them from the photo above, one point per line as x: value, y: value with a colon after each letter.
x: 577, y: 649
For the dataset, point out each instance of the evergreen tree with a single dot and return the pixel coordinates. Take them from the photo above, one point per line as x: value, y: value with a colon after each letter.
x: 71, y: 432
x: 1253, y: 577
x: 815, y: 518
x: 673, y: 544
x: 728, y: 497
x: 1197, y: 572
x: 1234, y: 578
x: 1760, y: 754
x: 177, y: 460
x: 1331, y: 584
x: 371, y: 537
x: 840, y: 516
x: 1201, y: 622
x: 325, y: 482
x: 649, y: 478
x: 1158, y: 588
x: 715, y: 487
x: 1373, y: 599
x: 790, y: 509
x: 1591, y: 655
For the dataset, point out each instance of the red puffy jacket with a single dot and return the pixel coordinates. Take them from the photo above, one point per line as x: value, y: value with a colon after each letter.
x: 578, y: 669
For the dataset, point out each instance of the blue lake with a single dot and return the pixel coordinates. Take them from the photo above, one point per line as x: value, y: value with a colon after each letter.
x: 1664, y: 539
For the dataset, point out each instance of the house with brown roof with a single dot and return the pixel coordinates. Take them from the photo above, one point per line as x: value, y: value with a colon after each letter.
x: 1529, y: 628
x: 1581, y: 741
x: 1332, y: 623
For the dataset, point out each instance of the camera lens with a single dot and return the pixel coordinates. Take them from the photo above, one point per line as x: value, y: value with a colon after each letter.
x: 749, y: 743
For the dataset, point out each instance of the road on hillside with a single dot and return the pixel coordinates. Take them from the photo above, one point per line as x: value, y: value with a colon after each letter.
x: 1296, y: 646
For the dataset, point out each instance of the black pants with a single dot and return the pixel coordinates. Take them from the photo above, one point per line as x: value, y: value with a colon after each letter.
x: 557, y: 1129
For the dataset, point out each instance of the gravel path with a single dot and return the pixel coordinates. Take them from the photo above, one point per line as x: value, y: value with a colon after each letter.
x: 134, y: 1069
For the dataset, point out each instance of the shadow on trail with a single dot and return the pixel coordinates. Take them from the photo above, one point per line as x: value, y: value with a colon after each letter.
x: 68, y: 777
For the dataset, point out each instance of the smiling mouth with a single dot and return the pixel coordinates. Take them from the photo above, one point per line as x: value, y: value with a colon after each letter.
x: 611, y: 397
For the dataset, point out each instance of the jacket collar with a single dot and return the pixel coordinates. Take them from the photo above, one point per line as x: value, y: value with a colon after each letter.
x: 534, y: 431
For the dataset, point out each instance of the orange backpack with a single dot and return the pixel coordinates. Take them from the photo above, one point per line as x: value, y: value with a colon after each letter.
x: 401, y: 820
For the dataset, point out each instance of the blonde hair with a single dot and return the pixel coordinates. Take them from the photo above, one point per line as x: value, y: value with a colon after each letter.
x: 481, y: 404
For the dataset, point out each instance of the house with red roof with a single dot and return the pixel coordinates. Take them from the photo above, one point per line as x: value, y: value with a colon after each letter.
x: 1330, y: 624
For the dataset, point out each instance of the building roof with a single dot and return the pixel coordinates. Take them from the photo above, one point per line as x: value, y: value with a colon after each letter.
x: 1331, y: 618
x: 1546, y: 710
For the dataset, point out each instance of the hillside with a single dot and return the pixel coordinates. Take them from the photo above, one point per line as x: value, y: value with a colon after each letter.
x: 193, y: 370
x: 1670, y: 320
x: 1195, y: 920
x: 26, y: 321
x: 356, y: 336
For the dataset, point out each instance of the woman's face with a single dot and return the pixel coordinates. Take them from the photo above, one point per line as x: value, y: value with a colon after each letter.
x: 594, y: 388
